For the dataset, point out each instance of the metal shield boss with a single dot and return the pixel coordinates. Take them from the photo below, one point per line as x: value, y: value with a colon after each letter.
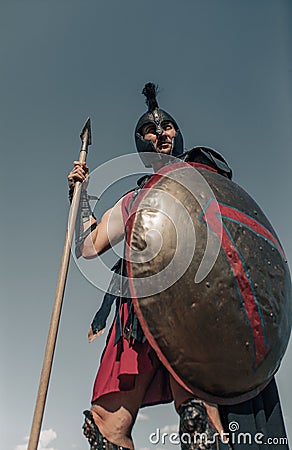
x: 209, y: 281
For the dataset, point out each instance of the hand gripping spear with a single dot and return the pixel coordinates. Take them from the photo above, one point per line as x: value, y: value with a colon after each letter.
x: 56, y: 313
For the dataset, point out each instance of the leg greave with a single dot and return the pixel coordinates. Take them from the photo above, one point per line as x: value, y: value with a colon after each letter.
x: 195, y: 430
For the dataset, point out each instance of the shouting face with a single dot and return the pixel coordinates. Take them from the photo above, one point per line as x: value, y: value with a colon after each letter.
x: 162, y: 142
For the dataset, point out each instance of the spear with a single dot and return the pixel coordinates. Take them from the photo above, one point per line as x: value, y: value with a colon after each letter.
x: 56, y: 313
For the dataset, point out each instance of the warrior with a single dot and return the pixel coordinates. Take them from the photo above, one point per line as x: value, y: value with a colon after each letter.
x: 131, y: 375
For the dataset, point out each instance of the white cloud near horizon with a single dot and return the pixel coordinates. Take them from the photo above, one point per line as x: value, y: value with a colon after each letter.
x: 46, y: 437
x: 142, y: 417
x: 169, y: 428
x: 147, y: 448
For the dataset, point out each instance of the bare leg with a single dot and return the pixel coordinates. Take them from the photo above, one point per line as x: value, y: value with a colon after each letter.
x: 115, y: 413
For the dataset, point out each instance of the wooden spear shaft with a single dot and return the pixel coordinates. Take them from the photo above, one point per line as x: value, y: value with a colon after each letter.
x: 56, y: 313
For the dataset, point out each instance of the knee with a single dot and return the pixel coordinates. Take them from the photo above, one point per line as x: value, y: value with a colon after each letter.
x: 102, y: 435
x: 113, y: 424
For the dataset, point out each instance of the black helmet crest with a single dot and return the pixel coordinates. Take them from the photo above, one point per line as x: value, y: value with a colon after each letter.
x: 150, y: 91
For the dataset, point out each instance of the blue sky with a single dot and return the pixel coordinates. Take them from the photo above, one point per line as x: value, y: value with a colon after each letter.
x: 224, y: 69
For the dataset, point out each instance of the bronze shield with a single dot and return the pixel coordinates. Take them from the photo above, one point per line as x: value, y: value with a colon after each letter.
x: 209, y: 282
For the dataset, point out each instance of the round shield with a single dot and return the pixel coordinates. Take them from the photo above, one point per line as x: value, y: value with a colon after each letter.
x: 209, y: 281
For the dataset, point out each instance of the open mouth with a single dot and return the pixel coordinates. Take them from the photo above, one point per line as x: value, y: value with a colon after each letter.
x: 164, y: 145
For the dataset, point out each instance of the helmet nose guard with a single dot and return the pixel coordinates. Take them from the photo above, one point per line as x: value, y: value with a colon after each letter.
x: 156, y: 116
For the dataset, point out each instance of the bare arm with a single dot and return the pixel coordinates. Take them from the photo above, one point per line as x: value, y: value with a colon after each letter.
x: 109, y: 231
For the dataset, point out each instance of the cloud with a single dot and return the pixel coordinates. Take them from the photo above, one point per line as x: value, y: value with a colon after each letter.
x: 46, y: 437
x: 147, y: 448
x: 169, y: 428
x: 142, y: 417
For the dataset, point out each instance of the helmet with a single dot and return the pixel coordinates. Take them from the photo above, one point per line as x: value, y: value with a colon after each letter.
x: 156, y: 116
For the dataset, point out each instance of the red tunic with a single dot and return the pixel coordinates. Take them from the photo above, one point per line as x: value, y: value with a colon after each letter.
x: 121, y: 362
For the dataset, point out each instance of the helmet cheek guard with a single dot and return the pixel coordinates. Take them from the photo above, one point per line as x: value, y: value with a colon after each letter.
x: 178, y: 144
x: 148, y: 152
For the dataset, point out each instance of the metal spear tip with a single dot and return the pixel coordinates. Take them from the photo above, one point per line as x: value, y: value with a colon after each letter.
x: 86, y: 132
